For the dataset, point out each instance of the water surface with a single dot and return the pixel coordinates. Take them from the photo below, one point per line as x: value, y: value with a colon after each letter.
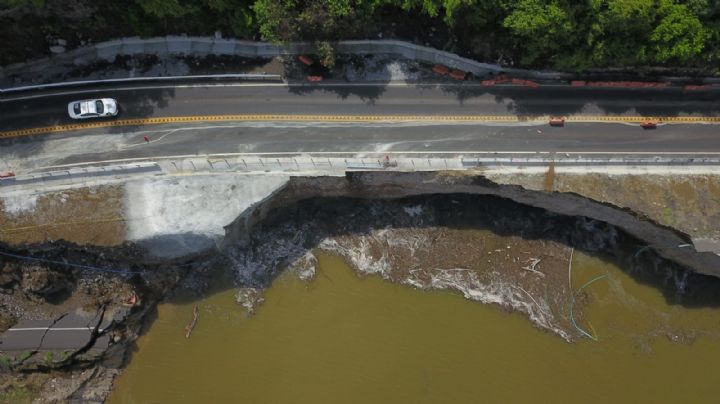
x: 342, y: 338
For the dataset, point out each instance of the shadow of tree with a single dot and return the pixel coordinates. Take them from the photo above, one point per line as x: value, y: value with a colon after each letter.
x: 344, y: 72
x: 611, y: 101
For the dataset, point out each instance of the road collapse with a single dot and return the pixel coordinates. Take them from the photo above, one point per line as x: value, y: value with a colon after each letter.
x: 496, y: 244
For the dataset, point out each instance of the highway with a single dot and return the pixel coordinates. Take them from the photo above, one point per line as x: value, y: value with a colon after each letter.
x: 49, y: 108
x: 335, y: 101
x: 70, y: 331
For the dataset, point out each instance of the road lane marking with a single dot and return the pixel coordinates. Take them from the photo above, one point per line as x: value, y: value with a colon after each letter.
x: 352, y: 119
x: 56, y: 329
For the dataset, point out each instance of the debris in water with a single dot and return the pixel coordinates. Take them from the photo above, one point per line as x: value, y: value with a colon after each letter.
x: 189, y: 328
x: 532, y: 263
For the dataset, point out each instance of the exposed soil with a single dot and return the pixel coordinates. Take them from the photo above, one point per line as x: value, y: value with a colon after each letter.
x: 83, y: 216
x: 690, y: 204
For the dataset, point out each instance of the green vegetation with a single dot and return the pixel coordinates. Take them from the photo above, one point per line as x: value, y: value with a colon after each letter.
x: 23, y: 356
x: 561, y: 34
x: 5, y: 362
x: 16, y: 394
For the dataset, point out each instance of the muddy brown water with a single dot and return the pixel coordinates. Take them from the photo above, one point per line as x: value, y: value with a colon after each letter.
x: 343, y: 338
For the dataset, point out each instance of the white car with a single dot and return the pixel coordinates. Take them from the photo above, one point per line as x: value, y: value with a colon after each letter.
x: 97, y: 108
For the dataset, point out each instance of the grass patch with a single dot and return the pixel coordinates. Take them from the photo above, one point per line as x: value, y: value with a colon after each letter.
x: 48, y: 357
x: 667, y: 214
x: 16, y: 394
x: 24, y: 355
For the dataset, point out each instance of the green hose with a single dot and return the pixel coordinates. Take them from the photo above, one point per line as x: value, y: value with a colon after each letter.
x: 572, y: 303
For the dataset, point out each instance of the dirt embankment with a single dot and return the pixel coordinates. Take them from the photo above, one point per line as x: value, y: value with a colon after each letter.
x: 91, y: 216
x: 688, y: 203
x: 654, y: 237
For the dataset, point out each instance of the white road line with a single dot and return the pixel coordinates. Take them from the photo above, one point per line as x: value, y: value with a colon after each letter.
x: 56, y: 329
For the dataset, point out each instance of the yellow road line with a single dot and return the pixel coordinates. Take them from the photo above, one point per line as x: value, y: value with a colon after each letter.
x: 351, y: 118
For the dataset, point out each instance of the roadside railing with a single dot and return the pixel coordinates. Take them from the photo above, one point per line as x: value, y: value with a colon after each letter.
x: 338, y: 164
x: 240, y: 76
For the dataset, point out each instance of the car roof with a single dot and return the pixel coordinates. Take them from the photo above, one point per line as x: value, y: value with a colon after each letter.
x: 88, y: 107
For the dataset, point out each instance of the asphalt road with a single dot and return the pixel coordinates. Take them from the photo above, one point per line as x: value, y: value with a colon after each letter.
x: 43, y: 109
x: 19, y: 111
x: 69, y: 332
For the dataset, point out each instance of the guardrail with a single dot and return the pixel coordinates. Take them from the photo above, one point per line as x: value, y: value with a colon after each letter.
x: 293, y: 164
x: 241, y: 76
x: 92, y: 171
x: 342, y: 162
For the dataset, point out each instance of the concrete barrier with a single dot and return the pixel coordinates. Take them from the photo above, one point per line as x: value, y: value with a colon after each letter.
x: 203, y: 46
x: 86, y: 172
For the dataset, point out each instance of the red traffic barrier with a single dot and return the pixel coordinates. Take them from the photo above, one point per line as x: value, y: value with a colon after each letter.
x: 694, y: 87
x: 440, y: 69
x: 648, y: 124
x: 314, y: 79
x: 528, y: 83
x: 6, y: 174
x: 557, y: 121
x: 488, y: 83
x: 531, y: 84
x: 578, y: 83
x: 306, y: 60
x: 458, y: 74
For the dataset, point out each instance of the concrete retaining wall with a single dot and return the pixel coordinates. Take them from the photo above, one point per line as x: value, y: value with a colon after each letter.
x: 203, y: 46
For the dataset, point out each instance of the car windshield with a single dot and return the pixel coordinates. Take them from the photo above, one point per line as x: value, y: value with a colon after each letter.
x: 76, y: 108
x: 99, y: 106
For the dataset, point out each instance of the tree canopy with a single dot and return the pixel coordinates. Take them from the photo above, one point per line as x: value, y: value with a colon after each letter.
x: 564, y: 34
